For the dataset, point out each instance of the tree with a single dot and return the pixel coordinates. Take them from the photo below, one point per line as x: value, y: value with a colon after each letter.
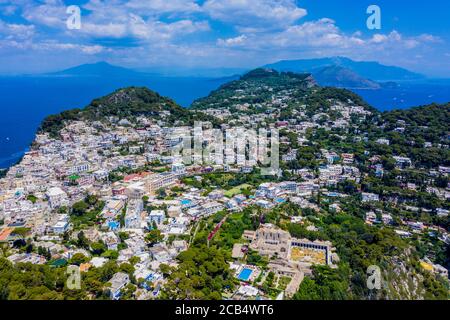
x: 308, y: 290
x: 79, y: 208
x: 82, y: 242
x: 202, y: 273
x: 328, y: 284
x: 128, y: 292
x: 254, y: 258
x: 78, y: 258
x: 128, y: 268
x: 44, y: 252
x: 91, y: 200
x: 25, y: 281
x: 161, y: 193
x: 21, y: 232
x: 349, y: 187
x: 62, y: 210
x: 4, y: 249
x: 134, y: 260
x: 165, y: 269
x: 153, y: 237
x: 111, y: 254
x: 123, y: 236
x: 442, y: 181
x: 98, y: 248
x: 32, y: 198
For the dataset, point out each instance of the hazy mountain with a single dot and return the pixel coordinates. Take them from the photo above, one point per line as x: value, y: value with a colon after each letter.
x: 105, y: 69
x: 195, y: 71
x: 102, y: 69
x: 337, y: 76
x: 369, y: 70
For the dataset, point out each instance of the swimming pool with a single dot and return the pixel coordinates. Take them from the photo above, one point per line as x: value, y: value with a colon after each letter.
x: 113, y: 225
x: 245, y: 274
x: 186, y: 202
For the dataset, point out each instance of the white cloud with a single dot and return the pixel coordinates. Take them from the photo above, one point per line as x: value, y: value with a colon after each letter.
x: 232, y: 42
x: 429, y: 38
x: 136, y: 27
x: 16, y: 31
x: 118, y: 18
x: 394, y: 38
x: 52, y: 46
x: 109, y: 30
x: 8, y: 10
x: 324, y: 36
x: 321, y: 33
x: 92, y: 49
x: 257, y: 31
x: 163, y: 6
x: 254, y: 15
x: 378, y: 38
x: 51, y: 13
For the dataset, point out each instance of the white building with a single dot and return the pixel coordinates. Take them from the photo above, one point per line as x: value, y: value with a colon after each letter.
x: 118, y: 282
x: 57, y: 197
x: 179, y: 169
x: 212, y: 207
x: 133, y: 214
x: 60, y: 227
x: 156, y: 216
x: 366, y: 197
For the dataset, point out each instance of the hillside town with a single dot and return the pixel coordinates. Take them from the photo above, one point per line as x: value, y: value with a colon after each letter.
x: 112, y: 191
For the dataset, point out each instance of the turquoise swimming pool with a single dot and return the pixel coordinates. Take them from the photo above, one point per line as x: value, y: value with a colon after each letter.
x: 186, y: 202
x: 245, y: 274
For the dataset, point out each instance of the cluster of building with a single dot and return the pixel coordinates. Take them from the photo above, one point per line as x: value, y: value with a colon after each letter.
x: 130, y: 168
x: 288, y: 257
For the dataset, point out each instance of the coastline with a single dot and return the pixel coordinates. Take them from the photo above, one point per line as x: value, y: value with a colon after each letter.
x: 387, y: 103
x: 13, y: 159
x: 20, y: 130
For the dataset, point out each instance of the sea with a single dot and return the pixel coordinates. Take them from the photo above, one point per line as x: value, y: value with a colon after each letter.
x: 26, y: 100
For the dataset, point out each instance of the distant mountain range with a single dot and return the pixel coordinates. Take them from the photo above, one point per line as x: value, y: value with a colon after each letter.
x: 98, y: 69
x: 370, y: 70
x: 337, y: 76
x: 195, y: 72
x: 106, y: 69
x: 333, y: 72
x: 344, y: 72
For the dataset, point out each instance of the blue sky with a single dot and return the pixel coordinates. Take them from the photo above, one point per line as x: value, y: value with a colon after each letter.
x: 222, y: 33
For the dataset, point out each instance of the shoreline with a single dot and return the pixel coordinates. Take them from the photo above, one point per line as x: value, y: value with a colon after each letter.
x: 7, y: 161
x: 13, y: 159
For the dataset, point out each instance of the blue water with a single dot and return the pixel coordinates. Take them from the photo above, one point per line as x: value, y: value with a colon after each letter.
x: 245, y: 274
x: 25, y: 101
x: 408, y: 94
